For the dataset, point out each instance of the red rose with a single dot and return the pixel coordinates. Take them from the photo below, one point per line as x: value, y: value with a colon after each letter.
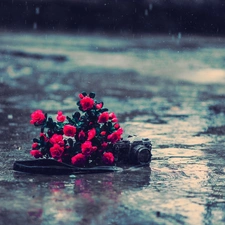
x: 86, y: 103
x: 91, y: 134
x: 69, y: 130
x: 99, y: 105
x: 81, y: 96
x: 103, y: 133
x: 81, y: 135
x: 60, y: 117
x: 37, y: 117
x: 56, y: 151
x: 120, y: 131
x: 104, y: 145
x: 116, y: 126
x: 112, y: 116
x: 35, y: 145
x: 116, y: 136
x: 44, y: 136
x: 103, y: 118
x: 36, y: 153
x: 57, y: 139
x: 108, y: 158
x: 87, y: 148
x: 78, y: 160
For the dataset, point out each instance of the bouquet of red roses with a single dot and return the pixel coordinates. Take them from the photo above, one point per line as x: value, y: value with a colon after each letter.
x: 85, y: 139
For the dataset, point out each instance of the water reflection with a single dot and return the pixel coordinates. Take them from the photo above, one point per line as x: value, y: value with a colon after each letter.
x: 87, y: 199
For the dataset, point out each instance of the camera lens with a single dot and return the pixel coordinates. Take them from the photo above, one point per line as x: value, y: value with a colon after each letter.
x: 144, y: 155
x: 141, y: 155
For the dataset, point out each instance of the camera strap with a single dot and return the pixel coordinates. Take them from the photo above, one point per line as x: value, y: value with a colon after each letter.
x: 53, y: 167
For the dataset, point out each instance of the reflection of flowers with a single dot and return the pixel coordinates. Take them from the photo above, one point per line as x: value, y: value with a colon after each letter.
x: 85, y: 139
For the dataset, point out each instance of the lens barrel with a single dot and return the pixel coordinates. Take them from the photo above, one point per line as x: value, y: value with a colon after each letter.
x: 140, y: 154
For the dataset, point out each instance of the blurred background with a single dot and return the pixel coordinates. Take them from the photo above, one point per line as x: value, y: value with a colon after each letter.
x: 147, y: 16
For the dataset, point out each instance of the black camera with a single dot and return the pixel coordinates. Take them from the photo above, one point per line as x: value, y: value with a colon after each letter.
x: 135, y: 153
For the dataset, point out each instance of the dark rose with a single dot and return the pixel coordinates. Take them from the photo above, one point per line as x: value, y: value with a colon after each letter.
x: 81, y: 135
x: 78, y: 160
x: 56, y: 151
x: 108, y: 158
x: 35, y: 145
x: 91, y: 134
x: 57, y: 139
x: 103, y: 118
x: 60, y: 117
x: 87, y: 148
x: 44, y: 136
x: 69, y: 130
x: 115, y: 136
x: 113, y: 117
x: 37, y: 117
x: 104, y: 145
x: 86, y: 103
x: 36, y: 153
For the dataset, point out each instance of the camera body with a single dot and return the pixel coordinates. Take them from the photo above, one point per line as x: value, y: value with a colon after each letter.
x: 137, y: 152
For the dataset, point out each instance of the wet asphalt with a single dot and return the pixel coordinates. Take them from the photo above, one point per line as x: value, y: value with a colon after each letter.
x: 166, y: 88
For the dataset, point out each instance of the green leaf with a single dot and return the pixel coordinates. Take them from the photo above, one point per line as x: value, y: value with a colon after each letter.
x: 84, y: 93
x: 92, y: 95
x: 70, y: 141
x: 76, y: 115
x: 109, y: 125
x: 35, y: 140
x: 104, y: 110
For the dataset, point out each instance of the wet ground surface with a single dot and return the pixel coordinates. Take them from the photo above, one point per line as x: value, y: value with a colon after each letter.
x: 166, y: 88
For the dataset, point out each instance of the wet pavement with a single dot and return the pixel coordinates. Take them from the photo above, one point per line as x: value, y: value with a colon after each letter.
x: 167, y: 88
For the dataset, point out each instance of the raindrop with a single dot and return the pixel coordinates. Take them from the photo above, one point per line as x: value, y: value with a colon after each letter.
x: 146, y: 12
x: 179, y: 35
x: 10, y: 116
x: 37, y: 10
x: 35, y: 26
x: 150, y: 6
